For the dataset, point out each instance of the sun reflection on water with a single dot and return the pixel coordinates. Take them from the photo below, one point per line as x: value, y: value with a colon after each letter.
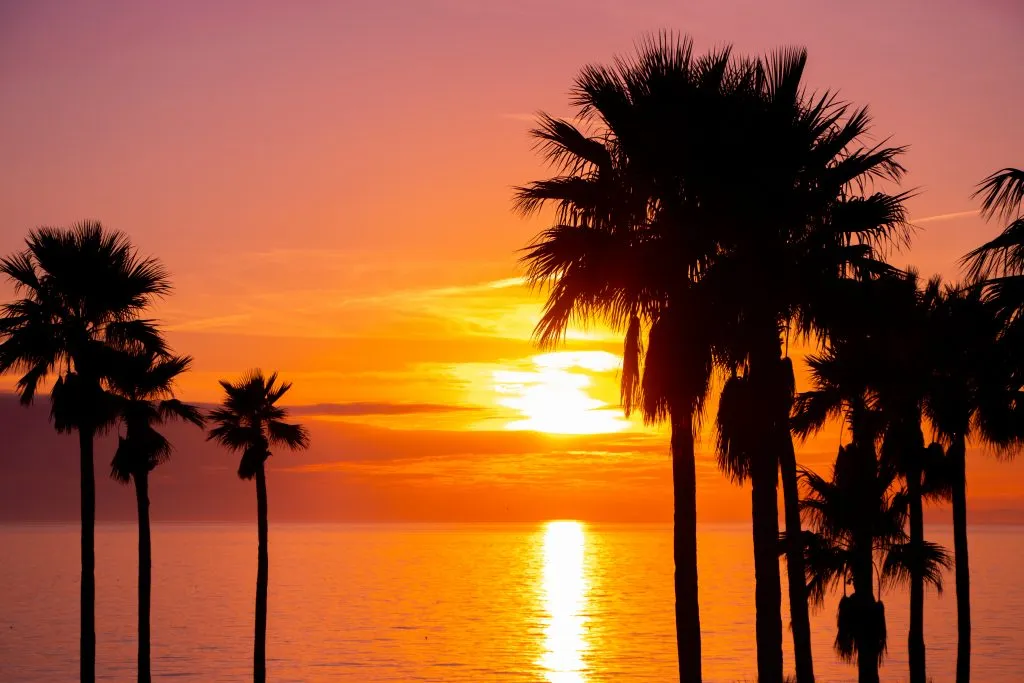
x: 564, y: 596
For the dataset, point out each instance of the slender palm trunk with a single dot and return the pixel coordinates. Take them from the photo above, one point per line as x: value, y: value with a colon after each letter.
x: 863, y: 550
x: 764, y: 478
x: 87, y: 637
x: 684, y: 481
x: 798, y: 610
x: 767, y: 590
x: 145, y: 572
x: 915, y: 638
x: 958, y: 455
x: 259, y: 673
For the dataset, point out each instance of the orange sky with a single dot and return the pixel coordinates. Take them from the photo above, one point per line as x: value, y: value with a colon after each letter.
x: 330, y: 185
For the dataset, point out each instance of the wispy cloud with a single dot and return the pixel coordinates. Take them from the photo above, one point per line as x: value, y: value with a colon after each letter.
x: 945, y: 216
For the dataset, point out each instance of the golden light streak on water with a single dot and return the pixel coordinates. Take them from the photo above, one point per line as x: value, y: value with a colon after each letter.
x: 565, y: 592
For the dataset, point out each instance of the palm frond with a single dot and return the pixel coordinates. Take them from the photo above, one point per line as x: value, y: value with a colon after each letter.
x: 902, y: 560
x: 1002, y: 255
x: 1002, y: 193
x: 293, y: 436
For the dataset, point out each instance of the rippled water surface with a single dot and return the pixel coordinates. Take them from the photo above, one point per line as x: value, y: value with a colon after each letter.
x: 561, y: 602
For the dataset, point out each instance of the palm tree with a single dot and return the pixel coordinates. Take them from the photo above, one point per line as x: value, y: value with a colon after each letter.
x: 799, y: 219
x: 858, y: 513
x: 976, y: 397
x: 83, y: 290
x: 882, y: 340
x: 142, y: 387
x: 997, y: 268
x: 250, y: 422
x: 886, y: 326
x: 855, y: 516
x: 618, y: 253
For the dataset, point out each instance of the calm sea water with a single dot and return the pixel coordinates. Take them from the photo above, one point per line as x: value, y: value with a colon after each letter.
x: 562, y: 603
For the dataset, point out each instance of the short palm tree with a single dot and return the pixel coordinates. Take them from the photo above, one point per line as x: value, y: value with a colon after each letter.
x: 857, y: 518
x: 976, y: 398
x: 249, y: 421
x: 84, y: 292
x: 142, y: 396
x: 859, y: 513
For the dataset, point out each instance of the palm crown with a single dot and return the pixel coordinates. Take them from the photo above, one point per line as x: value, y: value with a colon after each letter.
x: 142, y: 395
x: 84, y: 291
x: 250, y: 421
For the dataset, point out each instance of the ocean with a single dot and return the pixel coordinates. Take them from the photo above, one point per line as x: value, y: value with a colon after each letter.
x: 561, y: 602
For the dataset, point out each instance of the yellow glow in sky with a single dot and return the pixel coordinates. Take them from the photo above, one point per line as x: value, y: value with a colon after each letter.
x: 554, y: 398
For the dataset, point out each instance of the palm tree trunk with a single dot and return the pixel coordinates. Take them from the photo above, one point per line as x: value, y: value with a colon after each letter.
x: 684, y: 482
x: 764, y: 479
x: 87, y: 633
x: 145, y: 573
x: 798, y: 610
x: 259, y: 674
x: 767, y: 589
x: 915, y: 638
x: 864, y: 564
x: 958, y: 455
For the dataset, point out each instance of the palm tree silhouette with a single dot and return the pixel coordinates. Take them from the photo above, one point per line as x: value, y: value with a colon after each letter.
x: 997, y: 267
x: 617, y: 253
x: 855, y: 516
x: 887, y: 327
x: 859, y: 513
x: 84, y: 290
x: 798, y: 221
x: 976, y: 397
x: 250, y: 422
x: 142, y: 397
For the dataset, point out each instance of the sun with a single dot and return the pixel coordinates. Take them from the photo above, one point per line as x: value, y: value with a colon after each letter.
x: 555, y: 396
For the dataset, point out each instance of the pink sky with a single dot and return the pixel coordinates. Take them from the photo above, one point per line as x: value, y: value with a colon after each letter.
x: 330, y: 182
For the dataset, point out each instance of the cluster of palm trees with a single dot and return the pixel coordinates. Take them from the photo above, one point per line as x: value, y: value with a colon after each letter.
x: 81, y: 321
x: 709, y: 207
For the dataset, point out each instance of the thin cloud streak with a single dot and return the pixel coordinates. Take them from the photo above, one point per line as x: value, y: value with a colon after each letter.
x: 946, y: 216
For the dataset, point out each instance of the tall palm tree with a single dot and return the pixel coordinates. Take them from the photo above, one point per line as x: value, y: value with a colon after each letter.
x: 976, y: 398
x: 889, y: 326
x: 997, y: 268
x: 142, y: 388
x: 799, y: 218
x: 83, y: 293
x: 619, y: 252
x: 884, y: 332
x: 250, y: 421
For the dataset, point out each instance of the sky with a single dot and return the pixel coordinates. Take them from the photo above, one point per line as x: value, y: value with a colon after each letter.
x: 330, y: 186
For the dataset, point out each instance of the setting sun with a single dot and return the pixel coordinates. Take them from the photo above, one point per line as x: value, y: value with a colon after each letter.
x: 555, y: 397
